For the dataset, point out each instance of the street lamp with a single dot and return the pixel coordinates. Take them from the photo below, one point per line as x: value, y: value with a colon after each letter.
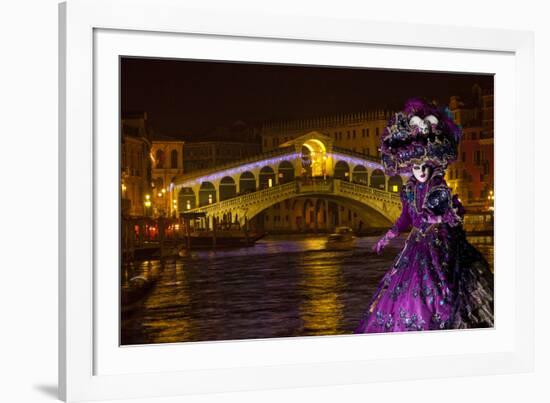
x: 147, y: 204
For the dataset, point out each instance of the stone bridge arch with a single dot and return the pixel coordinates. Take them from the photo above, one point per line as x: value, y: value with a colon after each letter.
x: 368, y: 213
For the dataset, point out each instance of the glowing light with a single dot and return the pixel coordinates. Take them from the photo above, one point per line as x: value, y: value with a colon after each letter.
x: 395, y: 188
x: 147, y: 203
x: 355, y: 161
x: 270, y: 182
x: 123, y: 187
x: 238, y: 170
x: 275, y: 161
x: 163, y: 190
x: 319, y: 143
x: 159, y: 194
x: 210, y: 198
x: 188, y: 205
x: 147, y: 197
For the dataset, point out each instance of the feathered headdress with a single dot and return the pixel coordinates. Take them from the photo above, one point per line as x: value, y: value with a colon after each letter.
x: 420, y: 133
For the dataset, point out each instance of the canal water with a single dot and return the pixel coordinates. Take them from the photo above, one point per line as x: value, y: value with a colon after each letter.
x: 283, y: 286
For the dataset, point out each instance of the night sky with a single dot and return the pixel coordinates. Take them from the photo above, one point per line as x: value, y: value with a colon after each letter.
x: 185, y: 99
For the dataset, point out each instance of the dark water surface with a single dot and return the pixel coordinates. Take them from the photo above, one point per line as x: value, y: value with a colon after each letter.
x: 289, y: 285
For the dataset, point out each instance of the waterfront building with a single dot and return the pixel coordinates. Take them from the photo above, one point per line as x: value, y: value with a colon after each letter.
x: 221, y: 145
x: 135, y: 179
x: 167, y: 154
x: 472, y: 175
x: 357, y: 132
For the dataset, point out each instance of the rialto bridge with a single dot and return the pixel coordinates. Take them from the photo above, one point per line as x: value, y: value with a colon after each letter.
x: 306, y: 168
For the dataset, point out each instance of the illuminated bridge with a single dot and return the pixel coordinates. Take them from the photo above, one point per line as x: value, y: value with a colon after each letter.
x: 308, y: 166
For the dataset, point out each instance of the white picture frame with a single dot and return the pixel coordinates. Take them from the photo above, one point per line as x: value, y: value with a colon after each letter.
x: 93, y: 33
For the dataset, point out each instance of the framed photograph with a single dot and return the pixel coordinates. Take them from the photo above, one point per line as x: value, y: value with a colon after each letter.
x: 246, y: 207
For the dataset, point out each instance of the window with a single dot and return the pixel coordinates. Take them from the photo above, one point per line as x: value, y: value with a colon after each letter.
x: 160, y: 159
x: 174, y: 159
x: 368, y: 132
x: 354, y: 134
x: 377, y: 132
x: 463, y: 156
x: 348, y: 135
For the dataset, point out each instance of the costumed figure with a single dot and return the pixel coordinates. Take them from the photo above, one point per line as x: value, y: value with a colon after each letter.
x: 438, y: 280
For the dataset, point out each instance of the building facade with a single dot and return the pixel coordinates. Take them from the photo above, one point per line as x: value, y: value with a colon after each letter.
x: 358, y: 132
x: 135, y: 179
x: 167, y: 155
x: 472, y: 175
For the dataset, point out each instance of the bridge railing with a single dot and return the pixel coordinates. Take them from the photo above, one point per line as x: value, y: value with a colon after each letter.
x: 314, y: 185
x: 301, y: 186
x: 357, y: 188
x: 251, y: 197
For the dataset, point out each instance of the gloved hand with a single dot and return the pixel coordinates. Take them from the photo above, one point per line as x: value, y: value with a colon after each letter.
x: 384, y: 241
x: 432, y: 219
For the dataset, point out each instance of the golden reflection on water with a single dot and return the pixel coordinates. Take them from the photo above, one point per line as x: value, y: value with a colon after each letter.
x: 173, y: 328
x: 321, y: 309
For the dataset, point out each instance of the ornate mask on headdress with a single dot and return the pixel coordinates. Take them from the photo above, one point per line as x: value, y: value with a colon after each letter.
x: 421, y: 133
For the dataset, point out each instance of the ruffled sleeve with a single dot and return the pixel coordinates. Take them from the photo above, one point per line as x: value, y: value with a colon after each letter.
x: 404, y: 221
x: 441, y: 203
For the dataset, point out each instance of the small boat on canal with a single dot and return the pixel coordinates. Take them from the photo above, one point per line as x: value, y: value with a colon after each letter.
x: 342, y: 238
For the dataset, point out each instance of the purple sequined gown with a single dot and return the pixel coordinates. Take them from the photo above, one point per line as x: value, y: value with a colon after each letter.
x: 438, y: 280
